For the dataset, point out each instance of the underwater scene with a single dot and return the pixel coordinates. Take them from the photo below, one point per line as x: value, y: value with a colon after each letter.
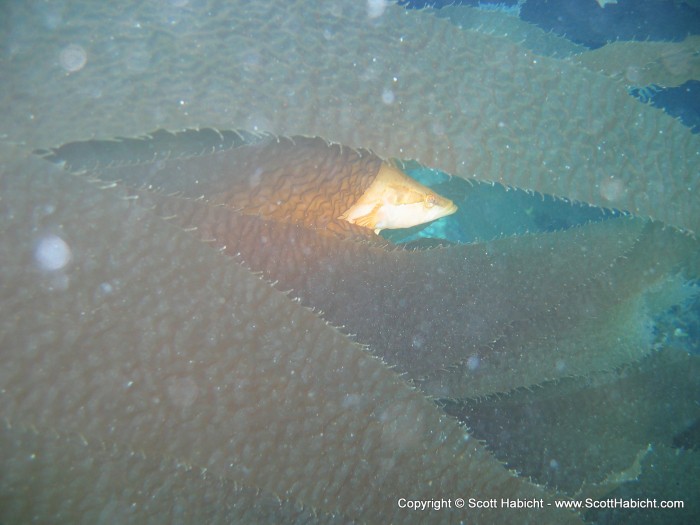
x: 287, y: 261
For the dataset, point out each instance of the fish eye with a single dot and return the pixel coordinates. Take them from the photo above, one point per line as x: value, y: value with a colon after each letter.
x: 430, y: 200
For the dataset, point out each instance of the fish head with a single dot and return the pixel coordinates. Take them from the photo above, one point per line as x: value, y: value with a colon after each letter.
x: 395, y: 200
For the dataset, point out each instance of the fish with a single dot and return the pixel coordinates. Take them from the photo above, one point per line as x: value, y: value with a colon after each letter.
x: 394, y: 200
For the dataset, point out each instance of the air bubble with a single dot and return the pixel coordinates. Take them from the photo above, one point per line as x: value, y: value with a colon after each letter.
x: 388, y: 97
x: 52, y: 253
x: 612, y: 190
x: 376, y: 8
x: 73, y: 58
x: 473, y: 362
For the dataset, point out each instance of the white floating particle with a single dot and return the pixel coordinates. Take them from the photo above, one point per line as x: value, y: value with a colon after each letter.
x: 612, y: 189
x: 376, y: 8
x: 73, y: 58
x: 52, y: 253
x: 388, y: 97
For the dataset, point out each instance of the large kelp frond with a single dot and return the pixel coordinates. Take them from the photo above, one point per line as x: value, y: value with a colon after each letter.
x: 667, y: 474
x: 524, y: 33
x: 665, y: 64
x: 603, y: 321
x: 513, y: 312
x: 178, y: 492
x: 580, y: 432
x: 160, y: 145
x: 462, y: 321
x: 304, y: 180
x: 122, y: 329
x: 407, y: 83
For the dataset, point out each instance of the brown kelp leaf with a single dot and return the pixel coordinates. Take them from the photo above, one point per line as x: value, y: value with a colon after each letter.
x: 422, y: 311
x: 496, y: 23
x: 668, y: 474
x: 170, y: 491
x: 407, y: 83
x: 123, y: 329
x: 605, y: 321
x: 665, y: 64
x: 297, y: 179
x: 582, y: 431
x: 463, y: 320
x: 301, y: 180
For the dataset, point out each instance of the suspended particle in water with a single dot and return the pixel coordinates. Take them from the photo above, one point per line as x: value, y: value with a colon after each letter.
x: 473, y: 362
x: 388, y: 97
x: 612, y: 189
x: 52, y: 253
x: 376, y: 8
x: 73, y: 58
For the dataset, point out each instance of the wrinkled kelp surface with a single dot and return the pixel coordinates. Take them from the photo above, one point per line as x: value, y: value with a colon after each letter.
x: 228, y: 378
x: 407, y: 84
x: 142, y: 356
x: 461, y: 322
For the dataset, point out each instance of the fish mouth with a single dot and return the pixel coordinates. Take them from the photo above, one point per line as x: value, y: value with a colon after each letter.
x: 450, y: 209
